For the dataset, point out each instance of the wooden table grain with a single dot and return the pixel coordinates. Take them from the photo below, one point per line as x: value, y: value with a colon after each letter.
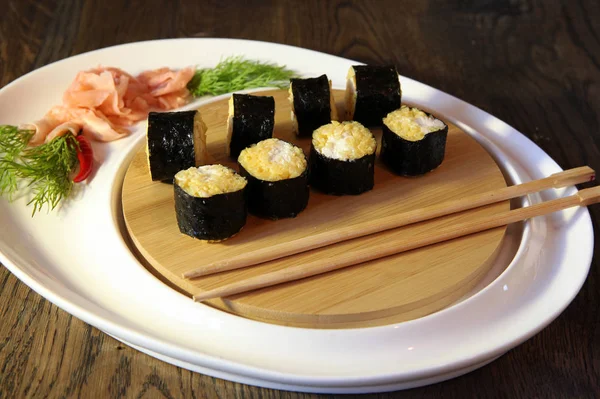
x: 533, y: 64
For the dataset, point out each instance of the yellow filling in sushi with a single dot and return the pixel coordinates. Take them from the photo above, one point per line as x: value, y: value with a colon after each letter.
x: 292, y: 113
x: 273, y: 160
x: 350, y: 93
x: 334, y: 114
x: 200, y: 140
x: 412, y: 124
x: 208, y: 180
x: 344, y: 141
x: 229, y: 126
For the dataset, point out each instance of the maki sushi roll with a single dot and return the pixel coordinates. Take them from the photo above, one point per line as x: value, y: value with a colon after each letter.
x: 251, y: 119
x: 174, y: 141
x: 210, y: 202
x: 371, y: 93
x: 342, y: 159
x: 413, y: 141
x: 277, y: 179
x: 312, y: 104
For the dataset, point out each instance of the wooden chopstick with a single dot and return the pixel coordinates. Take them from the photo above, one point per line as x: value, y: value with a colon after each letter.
x: 582, y: 198
x: 562, y: 179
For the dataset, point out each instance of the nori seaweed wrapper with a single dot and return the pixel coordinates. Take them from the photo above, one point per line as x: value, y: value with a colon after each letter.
x: 312, y: 103
x: 253, y: 121
x: 170, y: 143
x: 214, y: 218
x: 413, y: 158
x: 276, y: 199
x: 337, y: 177
x: 377, y: 93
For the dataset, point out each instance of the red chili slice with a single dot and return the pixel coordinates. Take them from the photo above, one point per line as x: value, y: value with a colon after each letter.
x: 85, y: 156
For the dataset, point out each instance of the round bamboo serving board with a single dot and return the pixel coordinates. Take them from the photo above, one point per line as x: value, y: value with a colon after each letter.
x: 389, y: 290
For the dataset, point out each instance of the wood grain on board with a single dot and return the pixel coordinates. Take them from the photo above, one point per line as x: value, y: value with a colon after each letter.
x: 533, y: 64
x: 391, y: 289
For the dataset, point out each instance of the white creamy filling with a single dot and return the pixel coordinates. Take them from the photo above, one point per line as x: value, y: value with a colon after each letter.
x: 337, y: 148
x: 281, y: 152
x: 429, y: 124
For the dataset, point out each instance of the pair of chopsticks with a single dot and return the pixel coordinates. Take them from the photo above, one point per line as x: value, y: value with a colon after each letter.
x: 558, y: 180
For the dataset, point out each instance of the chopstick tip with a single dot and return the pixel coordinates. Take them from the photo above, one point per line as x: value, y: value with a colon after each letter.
x: 197, y: 298
x: 589, y: 196
x: 204, y: 296
x: 199, y: 272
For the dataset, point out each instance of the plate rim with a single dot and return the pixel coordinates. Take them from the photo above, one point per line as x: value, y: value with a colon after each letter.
x: 95, y: 320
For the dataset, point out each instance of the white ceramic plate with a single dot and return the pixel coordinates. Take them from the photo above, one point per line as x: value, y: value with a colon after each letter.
x: 78, y: 259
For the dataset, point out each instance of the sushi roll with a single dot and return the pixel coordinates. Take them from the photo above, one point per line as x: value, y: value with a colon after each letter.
x: 277, y: 179
x: 413, y: 141
x: 251, y: 119
x: 210, y: 202
x: 371, y: 93
x: 342, y: 159
x: 175, y: 141
x: 312, y: 104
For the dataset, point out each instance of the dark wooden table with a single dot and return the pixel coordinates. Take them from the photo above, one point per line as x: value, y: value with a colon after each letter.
x: 533, y: 64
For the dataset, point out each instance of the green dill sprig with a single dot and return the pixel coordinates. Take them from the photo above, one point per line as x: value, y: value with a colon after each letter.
x: 12, y: 142
x: 45, y: 169
x: 236, y: 73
